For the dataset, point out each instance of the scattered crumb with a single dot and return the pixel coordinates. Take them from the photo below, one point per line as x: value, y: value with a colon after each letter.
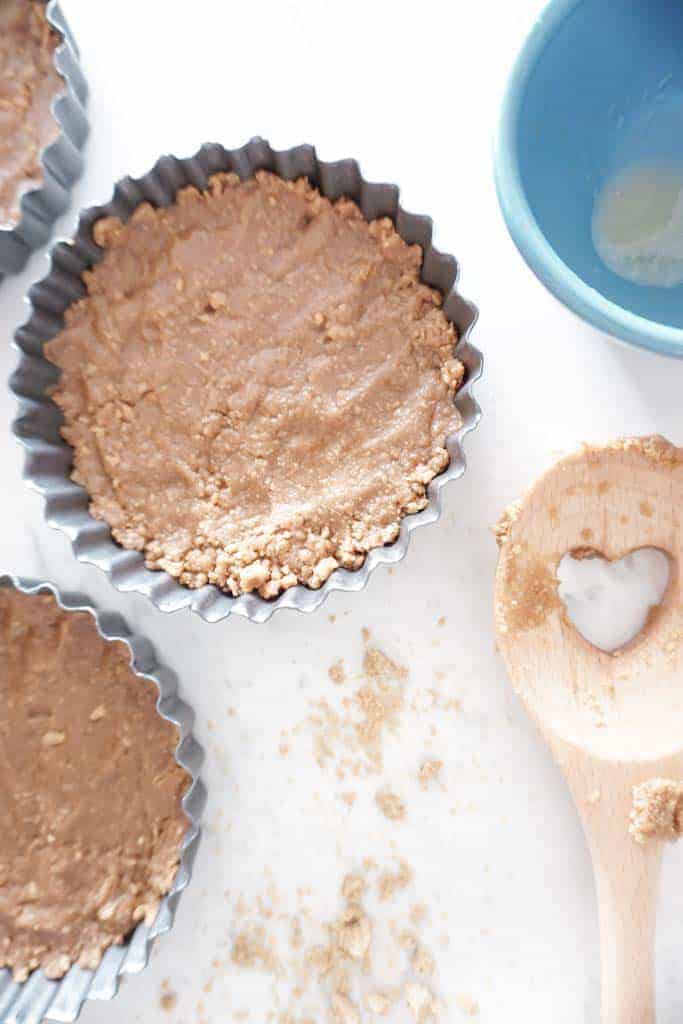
x: 429, y: 770
x: 355, y: 933
x: 353, y: 888
x: 167, y: 1000
x: 333, y: 960
x: 380, y: 668
x: 421, y: 1002
x: 336, y: 672
x: 423, y: 962
x: 390, y: 805
x: 343, y: 1010
x: 468, y: 1005
x: 389, y: 883
x: 656, y: 448
x: 503, y: 527
x: 252, y: 948
x: 350, y: 736
x: 296, y: 936
x: 378, y: 1002
x: 595, y: 707
x: 418, y: 913
x: 657, y: 810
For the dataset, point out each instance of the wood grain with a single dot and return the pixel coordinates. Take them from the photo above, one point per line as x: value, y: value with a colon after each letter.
x: 613, y: 720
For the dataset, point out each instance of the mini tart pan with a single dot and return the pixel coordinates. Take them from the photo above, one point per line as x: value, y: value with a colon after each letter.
x: 61, y: 161
x: 38, y: 997
x: 48, y: 461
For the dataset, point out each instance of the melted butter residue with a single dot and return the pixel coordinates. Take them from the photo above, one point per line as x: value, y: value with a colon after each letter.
x: 638, y: 224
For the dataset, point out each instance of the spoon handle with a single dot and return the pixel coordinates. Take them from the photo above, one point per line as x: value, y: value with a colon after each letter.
x: 627, y: 886
x: 626, y: 881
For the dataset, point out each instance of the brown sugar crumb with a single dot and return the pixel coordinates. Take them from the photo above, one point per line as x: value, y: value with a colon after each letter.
x: 75, y: 884
x: 353, y: 736
x: 340, y: 972
x: 531, y: 595
x: 378, y: 706
x: 418, y: 913
x: 530, y: 586
x: 655, y: 447
x: 252, y: 948
x: 343, y: 1010
x: 429, y: 770
x: 353, y: 888
x: 391, y: 805
x: 468, y: 1005
x: 657, y: 810
x: 354, y: 933
x: 389, y: 883
x: 336, y: 672
x: 378, y: 1002
x: 503, y: 527
x: 29, y: 83
x: 423, y: 962
x: 422, y: 1003
x: 378, y: 667
x: 168, y: 1001
x: 277, y: 416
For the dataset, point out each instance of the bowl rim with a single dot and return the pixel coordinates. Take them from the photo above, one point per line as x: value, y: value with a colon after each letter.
x: 540, y: 256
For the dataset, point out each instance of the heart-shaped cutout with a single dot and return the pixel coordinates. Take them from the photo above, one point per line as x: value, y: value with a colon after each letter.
x: 609, y: 602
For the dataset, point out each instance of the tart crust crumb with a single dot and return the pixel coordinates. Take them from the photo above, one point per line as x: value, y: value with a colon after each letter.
x: 95, y: 794
x: 28, y: 85
x: 257, y: 386
x: 657, y: 810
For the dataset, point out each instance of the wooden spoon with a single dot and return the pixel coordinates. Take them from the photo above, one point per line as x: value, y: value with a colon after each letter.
x: 613, y: 721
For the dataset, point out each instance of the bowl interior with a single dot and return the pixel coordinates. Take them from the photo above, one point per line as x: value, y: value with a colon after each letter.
x: 602, y: 88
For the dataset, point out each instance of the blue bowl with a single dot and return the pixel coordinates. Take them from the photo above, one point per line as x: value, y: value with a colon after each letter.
x: 598, y: 85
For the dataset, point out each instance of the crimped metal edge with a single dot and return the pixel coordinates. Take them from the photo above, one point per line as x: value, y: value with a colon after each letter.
x: 38, y: 997
x: 61, y: 161
x: 49, y: 459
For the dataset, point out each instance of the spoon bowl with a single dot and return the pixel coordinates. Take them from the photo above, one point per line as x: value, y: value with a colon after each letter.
x: 612, y: 721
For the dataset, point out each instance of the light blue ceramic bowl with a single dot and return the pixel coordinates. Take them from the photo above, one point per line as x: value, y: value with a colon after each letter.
x: 598, y: 85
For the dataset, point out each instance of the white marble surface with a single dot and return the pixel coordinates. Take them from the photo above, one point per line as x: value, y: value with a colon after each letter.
x: 499, y: 858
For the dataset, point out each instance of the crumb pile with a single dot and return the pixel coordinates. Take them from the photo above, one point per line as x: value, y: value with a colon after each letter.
x: 657, y: 810
x: 341, y: 970
x: 28, y: 84
x: 352, y: 739
x: 257, y: 385
x: 91, y: 794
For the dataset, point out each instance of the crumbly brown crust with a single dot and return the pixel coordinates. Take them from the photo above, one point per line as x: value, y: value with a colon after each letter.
x: 657, y: 810
x: 91, y: 794
x: 257, y: 386
x: 28, y: 84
